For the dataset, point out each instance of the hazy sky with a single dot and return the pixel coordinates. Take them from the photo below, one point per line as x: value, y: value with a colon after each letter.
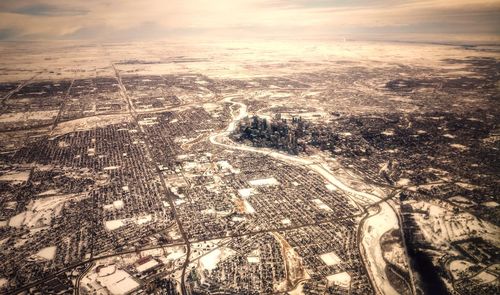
x: 429, y: 20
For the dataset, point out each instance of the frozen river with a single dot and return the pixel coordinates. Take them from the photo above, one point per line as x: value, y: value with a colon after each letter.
x: 373, y: 227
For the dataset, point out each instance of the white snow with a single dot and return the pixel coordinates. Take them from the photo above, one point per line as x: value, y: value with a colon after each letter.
x: 26, y: 116
x: 144, y: 219
x: 117, y: 223
x: 342, y: 279
x: 118, y: 283
x: 15, y: 176
x: 485, y: 277
x: 458, y: 266
x: 20, y: 242
x: 47, y: 253
x: 107, y: 270
x: 383, y: 167
x: 330, y: 258
x: 246, y: 192
x: 41, y: 211
x: 373, y: 228
x: 115, y: 205
x: 108, y: 207
x: 248, y: 208
x: 403, y: 181
x: 490, y: 204
x: 331, y: 187
x: 462, y: 201
x: 48, y: 192
x: 441, y: 225
x: 114, y: 224
x: 189, y: 165
x: 179, y: 201
x: 118, y: 204
x: 111, y: 168
x: 210, y: 260
x: 459, y: 146
x: 224, y: 165
x: 321, y: 205
x: 175, y: 255
x: 209, y: 107
x: 253, y: 259
x: 264, y: 181
x: 3, y: 282
x: 17, y: 220
x: 12, y: 117
x: 10, y: 205
x: 299, y: 290
x: 147, y: 266
x: 148, y: 121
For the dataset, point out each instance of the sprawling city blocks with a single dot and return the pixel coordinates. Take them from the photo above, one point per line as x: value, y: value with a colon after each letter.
x: 249, y: 168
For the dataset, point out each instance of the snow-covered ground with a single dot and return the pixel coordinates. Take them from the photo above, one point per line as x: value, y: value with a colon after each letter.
x: 342, y: 279
x: 299, y: 290
x: 246, y: 192
x: 373, y: 229
x: 114, y: 224
x: 248, y: 207
x: 3, y: 282
x: 458, y: 267
x: 330, y: 258
x: 225, y: 165
x: 321, y: 205
x: 253, y: 259
x: 118, y: 283
x: 147, y: 266
x: 491, y: 204
x: 16, y: 176
x: 27, y: 116
x: 88, y: 123
x: 210, y: 260
x: 331, y: 187
x: 264, y: 181
x: 459, y: 146
x: 485, y: 277
x: 441, y: 226
x: 40, y: 211
x: 47, y: 253
x: 116, y: 205
x: 117, y: 223
x: 252, y: 59
x: 175, y: 255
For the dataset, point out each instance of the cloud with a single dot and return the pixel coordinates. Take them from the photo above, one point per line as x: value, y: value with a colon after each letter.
x: 8, y: 33
x: 49, y: 10
x: 143, y: 31
x: 232, y: 19
x: 308, y: 4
